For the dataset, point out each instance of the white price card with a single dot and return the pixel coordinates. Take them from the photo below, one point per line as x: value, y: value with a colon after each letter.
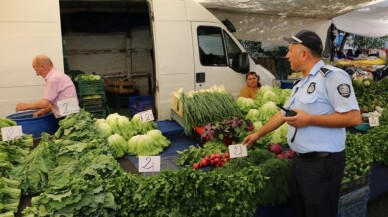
x: 238, y: 150
x: 374, y: 121
x: 68, y: 106
x: 149, y: 163
x: 10, y: 133
x: 146, y: 116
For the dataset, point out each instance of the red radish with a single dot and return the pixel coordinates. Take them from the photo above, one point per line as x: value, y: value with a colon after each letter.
x: 196, y: 166
x: 203, y: 163
x: 218, y: 155
x: 213, y: 156
x: 280, y: 155
x: 226, y: 154
x: 289, y: 154
x: 275, y: 148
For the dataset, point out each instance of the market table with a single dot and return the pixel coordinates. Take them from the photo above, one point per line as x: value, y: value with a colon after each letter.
x: 180, y: 142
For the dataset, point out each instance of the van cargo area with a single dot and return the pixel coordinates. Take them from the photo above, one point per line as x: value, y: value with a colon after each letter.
x: 111, y: 39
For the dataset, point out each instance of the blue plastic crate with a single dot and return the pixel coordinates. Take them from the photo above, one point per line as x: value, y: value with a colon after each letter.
x: 287, y: 84
x: 354, y: 204
x: 140, y: 103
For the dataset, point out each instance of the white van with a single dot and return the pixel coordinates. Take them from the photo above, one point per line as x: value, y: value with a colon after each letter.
x: 162, y: 45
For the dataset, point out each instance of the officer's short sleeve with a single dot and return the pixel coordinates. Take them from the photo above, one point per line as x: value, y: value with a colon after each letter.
x: 340, y: 91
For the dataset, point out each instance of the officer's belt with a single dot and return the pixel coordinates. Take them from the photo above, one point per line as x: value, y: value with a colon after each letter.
x: 312, y: 155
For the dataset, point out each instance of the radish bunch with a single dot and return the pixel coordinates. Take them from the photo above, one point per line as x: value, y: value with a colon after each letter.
x: 215, y: 159
x: 278, y: 151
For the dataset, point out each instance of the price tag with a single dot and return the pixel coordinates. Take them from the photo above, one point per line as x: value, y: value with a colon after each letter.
x: 10, y: 133
x: 146, y: 116
x: 374, y: 121
x: 238, y: 150
x: 149, y: 164
x: 68, y: 106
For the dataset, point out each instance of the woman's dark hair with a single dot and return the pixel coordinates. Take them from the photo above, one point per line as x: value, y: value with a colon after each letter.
x: 257, y: 76
x: 251, y: 73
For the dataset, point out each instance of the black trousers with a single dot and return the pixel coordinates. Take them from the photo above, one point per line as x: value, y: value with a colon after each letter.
x: 316, y: 184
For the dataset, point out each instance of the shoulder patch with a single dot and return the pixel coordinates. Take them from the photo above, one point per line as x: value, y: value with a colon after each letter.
x: 344, y: 90
x: 325, y: 71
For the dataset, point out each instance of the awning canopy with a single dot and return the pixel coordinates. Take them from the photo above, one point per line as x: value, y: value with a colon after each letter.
x: 269, y: 21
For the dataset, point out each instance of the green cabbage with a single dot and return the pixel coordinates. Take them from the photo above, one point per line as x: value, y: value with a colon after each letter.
x: 118, y: 145
x: 104, y: 127
x: 267, y: 111
x: 142, y: 127
x: 149, y: 144
x: 245, y: 104
x: 253, y: 115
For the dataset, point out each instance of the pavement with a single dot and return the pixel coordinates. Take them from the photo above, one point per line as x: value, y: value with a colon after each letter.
x: 378, y: 207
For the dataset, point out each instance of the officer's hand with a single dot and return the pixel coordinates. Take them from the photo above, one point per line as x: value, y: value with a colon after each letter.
x: 301, y: 119
x: 249, y: 140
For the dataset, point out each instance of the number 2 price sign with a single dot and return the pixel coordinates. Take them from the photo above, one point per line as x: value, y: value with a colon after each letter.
x: 149, y: 164
x: 68, y: 106
x: 238, y: 150
x: 146, y: 116
x: 10, y: 133
x: 374, y: 121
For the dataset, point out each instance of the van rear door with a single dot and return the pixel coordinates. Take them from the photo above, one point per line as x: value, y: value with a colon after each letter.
x: 214, y: 51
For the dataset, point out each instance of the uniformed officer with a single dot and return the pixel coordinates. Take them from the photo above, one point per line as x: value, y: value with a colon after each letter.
x: 325, y: 104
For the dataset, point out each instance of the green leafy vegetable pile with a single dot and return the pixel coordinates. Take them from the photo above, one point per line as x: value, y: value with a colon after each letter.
x: 211, y: 105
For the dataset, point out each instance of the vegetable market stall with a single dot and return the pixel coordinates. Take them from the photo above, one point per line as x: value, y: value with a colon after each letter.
x: 79, y: 163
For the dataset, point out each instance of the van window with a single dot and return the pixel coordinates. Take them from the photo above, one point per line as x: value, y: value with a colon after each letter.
x: 232, y: 49
x: 211, y: 46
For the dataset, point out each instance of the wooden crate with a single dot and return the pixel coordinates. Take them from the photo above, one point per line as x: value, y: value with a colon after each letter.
x: 119, y: 86
x: 177, y: 106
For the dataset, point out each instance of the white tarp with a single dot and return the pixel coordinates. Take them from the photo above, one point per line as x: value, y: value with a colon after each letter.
x: 269, y: 21
x: 271, y: 28
x: 371, y: 21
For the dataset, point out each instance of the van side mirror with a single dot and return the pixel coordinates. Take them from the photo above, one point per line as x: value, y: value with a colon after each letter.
x: 241, y: 63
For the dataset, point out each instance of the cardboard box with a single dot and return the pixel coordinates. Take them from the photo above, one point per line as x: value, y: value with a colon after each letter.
x: 177, y: 106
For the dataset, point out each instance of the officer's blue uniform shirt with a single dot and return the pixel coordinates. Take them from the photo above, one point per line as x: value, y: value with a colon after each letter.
x: 318, y: 94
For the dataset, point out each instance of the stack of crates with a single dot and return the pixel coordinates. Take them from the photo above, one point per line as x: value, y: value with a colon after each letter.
x: 354, y: 203
x: 91, y: 97
x: 118, y: 92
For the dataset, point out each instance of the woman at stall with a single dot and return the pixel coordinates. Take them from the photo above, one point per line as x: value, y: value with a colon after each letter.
x: 253, y: 85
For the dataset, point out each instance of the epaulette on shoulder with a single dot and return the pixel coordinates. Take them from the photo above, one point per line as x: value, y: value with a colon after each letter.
x: 325, y: 70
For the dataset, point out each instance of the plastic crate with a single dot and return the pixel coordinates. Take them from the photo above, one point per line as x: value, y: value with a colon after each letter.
x: 140, y: 103
x: 98, y: 114
x: 355, y: 184
x: 354, y: 204
x: 287, y: 84
x: 118, y: 100
x: 89, y: 87
x: 92, y: 104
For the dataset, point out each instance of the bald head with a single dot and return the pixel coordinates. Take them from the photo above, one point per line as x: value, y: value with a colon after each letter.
x: 42, y: 65
x: 42, y: 59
